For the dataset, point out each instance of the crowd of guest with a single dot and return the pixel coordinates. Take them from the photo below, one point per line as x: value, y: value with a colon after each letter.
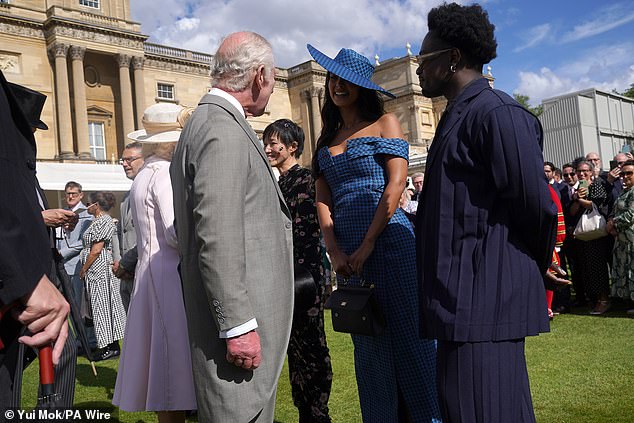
x: 600, y: 268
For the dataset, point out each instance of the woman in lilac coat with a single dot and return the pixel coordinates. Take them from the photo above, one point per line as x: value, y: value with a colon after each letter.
x: 155, y: 371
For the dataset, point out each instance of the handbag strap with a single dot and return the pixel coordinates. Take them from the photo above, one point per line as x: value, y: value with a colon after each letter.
x: 364, y: 282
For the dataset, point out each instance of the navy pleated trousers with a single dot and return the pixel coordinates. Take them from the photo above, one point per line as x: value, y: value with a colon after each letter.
x: 484, y: 382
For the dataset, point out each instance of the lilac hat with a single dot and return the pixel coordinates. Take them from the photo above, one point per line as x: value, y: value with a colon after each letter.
x: 349, y: 65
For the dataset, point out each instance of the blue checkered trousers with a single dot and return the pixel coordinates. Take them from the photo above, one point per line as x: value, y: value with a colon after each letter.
x: 397, y: 360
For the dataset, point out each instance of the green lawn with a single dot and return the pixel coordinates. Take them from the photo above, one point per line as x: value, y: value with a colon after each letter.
x: 583, y: 371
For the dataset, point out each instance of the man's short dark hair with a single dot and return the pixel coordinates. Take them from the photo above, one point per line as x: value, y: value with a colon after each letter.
x: 467, y: 28
x: 551, y: 164
x: 134, y: 144
x: 72, y: 184
x: 578, y: 160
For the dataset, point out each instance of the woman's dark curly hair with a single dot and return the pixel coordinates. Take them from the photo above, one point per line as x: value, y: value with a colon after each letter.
x: 371, y: 108
x: 467, y: 28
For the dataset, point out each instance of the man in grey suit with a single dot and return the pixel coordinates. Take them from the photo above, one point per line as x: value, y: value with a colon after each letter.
x: 125, y: 254
x: 235, y: 240
x: 69, y: 243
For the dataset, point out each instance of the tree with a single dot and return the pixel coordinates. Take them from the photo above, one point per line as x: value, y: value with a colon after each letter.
x: 629, y: 92
x: 524, y: 99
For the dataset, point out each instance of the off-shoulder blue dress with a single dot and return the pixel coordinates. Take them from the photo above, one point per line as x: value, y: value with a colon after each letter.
x: 397, y: 360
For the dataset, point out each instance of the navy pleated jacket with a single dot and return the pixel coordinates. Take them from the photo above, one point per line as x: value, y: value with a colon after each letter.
x: 485, y: 224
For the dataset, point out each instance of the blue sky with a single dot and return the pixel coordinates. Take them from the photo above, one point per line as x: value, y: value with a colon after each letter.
x: 545, y: 48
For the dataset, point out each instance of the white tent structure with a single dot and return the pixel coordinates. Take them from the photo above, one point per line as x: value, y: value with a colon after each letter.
x: 92, y: 177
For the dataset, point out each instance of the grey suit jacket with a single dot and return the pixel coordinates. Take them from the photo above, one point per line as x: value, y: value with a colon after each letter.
x: 126, y: 251
x: 235, y: 242
x: 71, y: 245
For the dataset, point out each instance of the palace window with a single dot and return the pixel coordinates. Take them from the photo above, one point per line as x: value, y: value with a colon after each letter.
x: 89, y: 3
x: 97, y: 141
x: 165, y: 91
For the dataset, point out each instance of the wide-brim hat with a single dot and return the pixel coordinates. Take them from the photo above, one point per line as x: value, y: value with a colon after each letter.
x: 31, y: 103
x: 351, y: 66
x: 162, y: 122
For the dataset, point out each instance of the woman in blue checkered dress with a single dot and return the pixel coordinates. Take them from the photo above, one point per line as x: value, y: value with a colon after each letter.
x: 361, y: 166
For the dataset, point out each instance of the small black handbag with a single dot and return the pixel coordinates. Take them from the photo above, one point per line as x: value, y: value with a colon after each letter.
x: 354, y: 309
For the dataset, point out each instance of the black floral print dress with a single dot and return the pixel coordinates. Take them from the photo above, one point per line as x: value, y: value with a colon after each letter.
x: 308, y: 358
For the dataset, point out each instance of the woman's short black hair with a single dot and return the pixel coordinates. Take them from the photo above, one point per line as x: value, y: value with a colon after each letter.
x: 467, y: 28
x: 106, y: 200
x: 287, y: 132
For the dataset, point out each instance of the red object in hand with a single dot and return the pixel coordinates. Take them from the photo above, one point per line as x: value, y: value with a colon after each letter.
x: 47, y: 374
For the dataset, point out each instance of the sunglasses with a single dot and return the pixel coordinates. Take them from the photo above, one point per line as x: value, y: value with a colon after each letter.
x: 422, y: 58
x: 628, y: 173
x: 566, y: 175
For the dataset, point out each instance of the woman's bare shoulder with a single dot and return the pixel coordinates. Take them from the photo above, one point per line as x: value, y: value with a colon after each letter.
x: 389, y: 126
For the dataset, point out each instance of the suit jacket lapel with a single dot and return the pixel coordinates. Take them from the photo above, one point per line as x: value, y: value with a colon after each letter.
x: 239, y: 118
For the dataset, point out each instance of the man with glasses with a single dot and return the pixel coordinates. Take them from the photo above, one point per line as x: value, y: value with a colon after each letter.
x: 567, y: 189
x: 125, y: 254
x: 595, y: 159
x: 69, y: 242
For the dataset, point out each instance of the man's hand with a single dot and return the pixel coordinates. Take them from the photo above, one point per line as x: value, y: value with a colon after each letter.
x: 614, y: 174
x: 553, y: 282
x: 244, y: 350
x: 44, y: 314
x: 120, y: 272
x: 611, y: 228
x: 582, y: 193
x: 55, y: 218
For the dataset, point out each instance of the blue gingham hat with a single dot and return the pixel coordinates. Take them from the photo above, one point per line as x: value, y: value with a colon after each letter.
x: 349, y: 65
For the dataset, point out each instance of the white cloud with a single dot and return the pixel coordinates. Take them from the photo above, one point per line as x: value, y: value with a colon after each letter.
x: 608, y: 18
x: 605, y: 68
x: 534, y: 36
x: 365, y: 25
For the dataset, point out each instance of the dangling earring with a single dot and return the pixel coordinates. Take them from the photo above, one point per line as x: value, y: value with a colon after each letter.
x: 452, y: 68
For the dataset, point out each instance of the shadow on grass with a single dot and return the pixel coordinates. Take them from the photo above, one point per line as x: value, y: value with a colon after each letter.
x: 618, y: 309
x: 106, y: 376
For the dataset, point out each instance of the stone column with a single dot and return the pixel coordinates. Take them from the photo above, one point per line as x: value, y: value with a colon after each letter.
x: 310, y: 141
x: 139, y: 89
x: 65, y: 127
x: 127, y: 112
x: 79, y: 91
x: 415, y: 126
x: 315, y: 92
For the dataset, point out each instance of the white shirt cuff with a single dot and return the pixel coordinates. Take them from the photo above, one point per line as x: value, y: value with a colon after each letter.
x: 239, y: 330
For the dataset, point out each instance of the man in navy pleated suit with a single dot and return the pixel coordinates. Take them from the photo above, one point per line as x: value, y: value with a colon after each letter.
x: 485, y: 226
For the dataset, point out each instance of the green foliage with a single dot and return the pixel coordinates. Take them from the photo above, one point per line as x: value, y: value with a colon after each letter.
x: 629, y: 92
x: 581, y: 372
x: 524, y: 99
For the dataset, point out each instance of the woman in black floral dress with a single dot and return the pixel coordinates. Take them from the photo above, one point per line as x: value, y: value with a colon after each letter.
x: 308, y: 357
